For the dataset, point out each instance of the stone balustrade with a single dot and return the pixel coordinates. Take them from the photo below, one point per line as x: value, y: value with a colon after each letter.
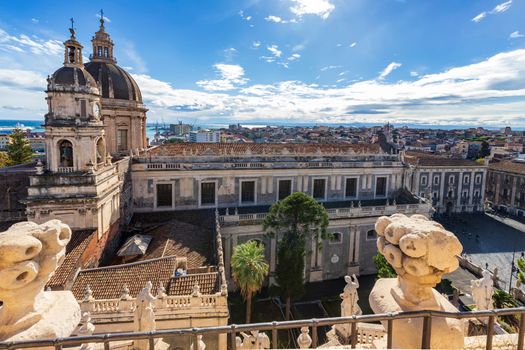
x: 65, y: 169
x: 339, y: 213
x: 367, y: 333
x: 167, y: 303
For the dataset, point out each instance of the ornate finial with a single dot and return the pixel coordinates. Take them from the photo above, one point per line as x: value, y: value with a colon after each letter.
x: 72, y: 29
x: 101, y: 18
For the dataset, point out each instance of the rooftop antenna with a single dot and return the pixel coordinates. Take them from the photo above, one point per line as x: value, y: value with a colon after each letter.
x: 101, y: 17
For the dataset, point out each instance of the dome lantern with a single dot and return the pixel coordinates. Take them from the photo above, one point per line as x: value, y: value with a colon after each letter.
x: 102, y: 44
x: 73, y: 49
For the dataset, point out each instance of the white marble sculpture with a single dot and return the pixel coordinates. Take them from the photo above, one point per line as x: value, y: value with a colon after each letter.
x: 254, y: 341
x: 421, y: 251
x: 201, y: 346
x: 86, y: 329
x: 304, y: 340
x: 29, y: 255
x: 482, y: 291
x: 349, y: 306
x: 144, y: 318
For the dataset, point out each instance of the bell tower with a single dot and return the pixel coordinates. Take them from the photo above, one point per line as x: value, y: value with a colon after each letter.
x: 75, y: 140
x: 78, y: 184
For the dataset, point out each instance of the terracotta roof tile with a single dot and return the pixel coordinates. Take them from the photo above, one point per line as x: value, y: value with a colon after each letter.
x: 208, y: 283
x: 183, y: 239
x: 508, y: 166
x: 426, y: 159
x: 225, y: 149
x: 74, y: 250
x: 107, y: 282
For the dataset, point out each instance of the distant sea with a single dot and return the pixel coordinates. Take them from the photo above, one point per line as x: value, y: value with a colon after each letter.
x: 6, y: 126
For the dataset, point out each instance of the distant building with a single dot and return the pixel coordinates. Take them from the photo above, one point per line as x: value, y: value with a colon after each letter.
x: 205, y: 136
x: 37, y: 142
x: 454, y: 185
x: 180, y: 129
x: 506, y: 186
x: 4, y: 140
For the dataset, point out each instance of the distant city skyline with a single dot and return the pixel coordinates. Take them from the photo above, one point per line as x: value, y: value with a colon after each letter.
x: 407, y: 62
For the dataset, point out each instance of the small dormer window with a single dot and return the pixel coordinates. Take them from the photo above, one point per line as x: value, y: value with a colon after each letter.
x: 106, y: 52
x: 83, y: 108
x: 71, y: 54
x: 99, y: 51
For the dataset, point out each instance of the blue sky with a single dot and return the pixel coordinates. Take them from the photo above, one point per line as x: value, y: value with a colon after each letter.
x: 459, y: 62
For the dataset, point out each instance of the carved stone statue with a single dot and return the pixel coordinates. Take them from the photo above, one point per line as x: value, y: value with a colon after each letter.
x: 421, y: 251
x: 201, y: 345
x: 304, y: 340
x: 482, y: 290
x: 349, y: 305
x: 29, y: 255
x: 86, y: 329
x: 144, y: 318
x: 254, y: 341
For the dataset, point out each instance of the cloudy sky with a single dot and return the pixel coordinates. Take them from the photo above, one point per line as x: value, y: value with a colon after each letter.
x: 453, y: 62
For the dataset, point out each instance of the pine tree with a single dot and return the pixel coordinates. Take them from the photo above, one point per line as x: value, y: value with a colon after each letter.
x: 295, y: 220
x: 18, y: 148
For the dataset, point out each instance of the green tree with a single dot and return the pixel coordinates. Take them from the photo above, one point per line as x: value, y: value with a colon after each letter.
x: 295, y: 220
x: 249, y: 268
x: 521, y: 270
x: 484, y: 151
x: 4, y: 159
x: 18, y: 148
x: 384, y: 270
x: 503, y: 300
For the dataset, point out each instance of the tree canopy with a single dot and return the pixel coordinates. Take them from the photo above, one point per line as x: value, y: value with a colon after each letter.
x: 249, y: 268
x: 294, y: 220
x: 18, y: 148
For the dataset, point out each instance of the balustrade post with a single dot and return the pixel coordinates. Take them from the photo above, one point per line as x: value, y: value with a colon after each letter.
x: 490, y: 332
x: 427, y: 326
x: 390, y: 326
x: 233, y: 335
x: 314, y: 333
x: 521, y: 331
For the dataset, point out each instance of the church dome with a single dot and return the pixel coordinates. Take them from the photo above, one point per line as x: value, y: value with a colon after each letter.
x: 73, y: 76
x: 114, y: 82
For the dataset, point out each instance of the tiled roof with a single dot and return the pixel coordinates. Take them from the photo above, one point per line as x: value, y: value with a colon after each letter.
x: 189, y: 234
x: 508, y: 166
x: 227, y: 149
x: 426, y: 159
x: 208, y: 283
x: 107, y: 282
x: 74, y: 250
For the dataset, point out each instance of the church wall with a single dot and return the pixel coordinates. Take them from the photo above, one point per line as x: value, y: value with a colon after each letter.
x: 186, y: 185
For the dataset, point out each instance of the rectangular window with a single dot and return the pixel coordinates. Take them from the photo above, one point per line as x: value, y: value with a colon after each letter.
x: 122, y: 140
x: 478, y: 179
x: 285, y: 188
x: 423, y: 180
x: 381, y: 186
x: 466, y: 179
x: 164, y: 195
x: 464, y: 194
x: 451, y: 179
x: 476, y: 193
x: 436, y: 180
x: 207, y: 193
x: 319, y: 190
x: 351, y: 187
x: 248, y: 192
x: 83, y: 108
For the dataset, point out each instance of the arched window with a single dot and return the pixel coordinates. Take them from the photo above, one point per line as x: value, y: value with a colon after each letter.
x: 101, y: 150
x: 337, y: 238
x: 65, y: 149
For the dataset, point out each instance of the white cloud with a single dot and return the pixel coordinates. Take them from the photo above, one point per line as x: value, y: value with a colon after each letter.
x: 466, y: 95
x: 294, y: 57
x: 274, y: 49
x: 354, y: 44
x: 22, y: 79
x: 277, y: 19
x: 479, y: 17
x: 325, y: 68
x: 34, y: 45
x: 133, y: 57
x: 229, y: 53
x: 256, y: 44
x: 106, y: 19
x: 231, y: 77
x: 498, y: 9
x: 321, y: 8
x: 414, y: 74
x: 246, y: 18
x: 389, y: 69
x: 515, y: 35
x: 35, y: 20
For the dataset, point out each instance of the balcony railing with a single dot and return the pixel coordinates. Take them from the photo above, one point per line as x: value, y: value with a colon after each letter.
x: 490, y: 341
x: 339, y: 213
x: 65, y: 169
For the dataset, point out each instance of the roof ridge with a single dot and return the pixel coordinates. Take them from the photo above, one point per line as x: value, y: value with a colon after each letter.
x: 128, y: 264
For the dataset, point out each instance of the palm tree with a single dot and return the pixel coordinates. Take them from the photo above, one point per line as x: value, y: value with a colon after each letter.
x: 249, y: 268
x: 503, y: 300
